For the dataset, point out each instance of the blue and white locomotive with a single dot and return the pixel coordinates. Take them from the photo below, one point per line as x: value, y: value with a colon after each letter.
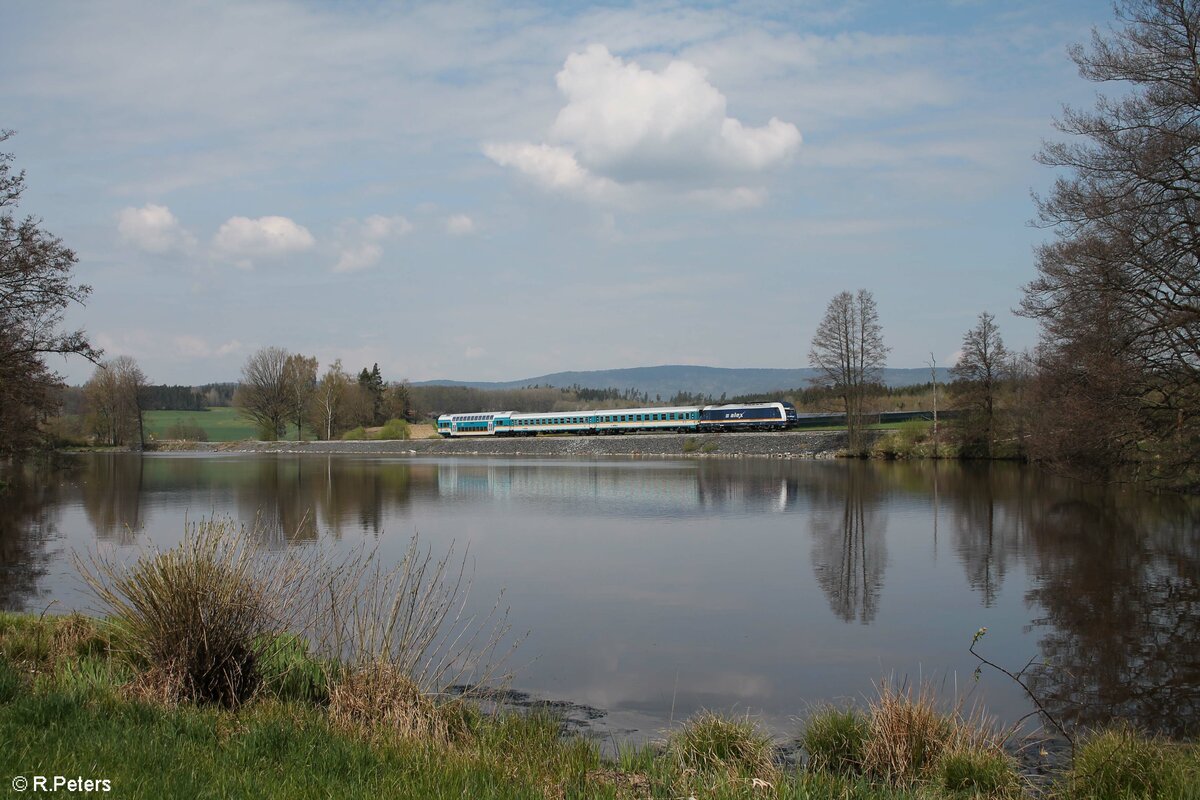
x: 680, y: 419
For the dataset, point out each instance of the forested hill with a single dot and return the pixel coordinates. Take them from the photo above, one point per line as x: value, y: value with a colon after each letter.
x: 666, y: 381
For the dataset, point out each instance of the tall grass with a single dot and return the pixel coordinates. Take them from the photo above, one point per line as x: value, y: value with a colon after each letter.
x: 906, y: 739
x: 1120, y: 763
x: 413, y: 615
x: 709, y: 742
x: 835, y: 740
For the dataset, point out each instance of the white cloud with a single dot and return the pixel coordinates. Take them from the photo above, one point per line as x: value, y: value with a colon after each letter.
x: 625, y: 126
x: 195, y: 347
x: 244, y: 239
x: 378, y: 227
x: 552, y: 167
x: 154, y: 229
x: 474, y: 352
x: 356, y: 257
x: 460, y: 225
x: 360, y: 243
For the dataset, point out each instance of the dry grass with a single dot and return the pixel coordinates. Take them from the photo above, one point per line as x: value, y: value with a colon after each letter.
x: 380, y: 700
x: 422, y: 431
x: 908, y: 735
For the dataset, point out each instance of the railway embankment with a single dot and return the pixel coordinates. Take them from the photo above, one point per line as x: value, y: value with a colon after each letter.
x: 787, y: 444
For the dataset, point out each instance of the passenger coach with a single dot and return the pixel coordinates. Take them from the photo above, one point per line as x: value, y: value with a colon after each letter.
x: 680, y: 419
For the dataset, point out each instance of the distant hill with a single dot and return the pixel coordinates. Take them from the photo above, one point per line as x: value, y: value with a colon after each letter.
x: 667, y: 380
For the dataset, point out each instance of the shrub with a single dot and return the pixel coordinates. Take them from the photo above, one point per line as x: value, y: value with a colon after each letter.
x: 708, y: 447
x: 709, y: 742
x: 1120, y: 763
x: 411, y: 616
x: 198, y: 615
x: 354, y: 434
x: 690, y: 445
x: 394, y: 429
x: 835, y: 740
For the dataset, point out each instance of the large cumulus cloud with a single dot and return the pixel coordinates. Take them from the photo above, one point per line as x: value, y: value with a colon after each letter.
x: 625, y: 128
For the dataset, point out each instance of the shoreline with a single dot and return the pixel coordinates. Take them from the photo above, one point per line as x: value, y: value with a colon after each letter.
x: 785, y: 444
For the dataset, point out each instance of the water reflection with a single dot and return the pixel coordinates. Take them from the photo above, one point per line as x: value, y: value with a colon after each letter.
x: 990, y: 510
x: 1121, y: 622
x: 112, y: 489
x: 29, y: 497
x: 849, y: 550
x: 648, y: 583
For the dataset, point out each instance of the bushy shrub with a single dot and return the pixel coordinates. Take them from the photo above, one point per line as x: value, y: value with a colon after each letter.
x: 354, y: 434
x: 198, y: 615
x: 835, y: 740
x: 709, y: 742
x: 394, y: 429
x: 690, y: 445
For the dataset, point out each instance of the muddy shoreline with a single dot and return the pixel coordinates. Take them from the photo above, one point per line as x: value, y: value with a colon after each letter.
x: 787, y: 444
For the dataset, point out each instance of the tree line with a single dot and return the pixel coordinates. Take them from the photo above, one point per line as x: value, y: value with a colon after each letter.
x: 279, y: 389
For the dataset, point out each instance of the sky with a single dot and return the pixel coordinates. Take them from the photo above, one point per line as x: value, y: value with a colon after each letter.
x: 482, y: 191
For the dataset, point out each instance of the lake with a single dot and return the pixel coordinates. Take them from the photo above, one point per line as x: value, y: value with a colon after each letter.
x: 651, y: 589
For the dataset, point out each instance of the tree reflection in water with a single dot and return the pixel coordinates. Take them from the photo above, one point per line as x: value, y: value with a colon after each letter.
x: 991, y: 515
x: 111, y: 488
x: 1121, y: 594
x: 29, y: 510
x: 849, y: 552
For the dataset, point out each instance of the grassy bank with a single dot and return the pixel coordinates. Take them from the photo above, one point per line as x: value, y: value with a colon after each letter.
x: 72, y: 704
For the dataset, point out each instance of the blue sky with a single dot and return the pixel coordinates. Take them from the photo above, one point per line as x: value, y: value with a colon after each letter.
x: 495, y: 191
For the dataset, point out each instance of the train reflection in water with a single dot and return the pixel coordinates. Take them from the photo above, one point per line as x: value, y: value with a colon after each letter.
x: 652, y: 490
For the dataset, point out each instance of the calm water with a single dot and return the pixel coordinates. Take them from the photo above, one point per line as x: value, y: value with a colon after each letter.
x: 652, y: 589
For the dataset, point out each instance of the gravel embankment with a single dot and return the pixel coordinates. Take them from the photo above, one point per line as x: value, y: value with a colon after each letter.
x: 789, y: 444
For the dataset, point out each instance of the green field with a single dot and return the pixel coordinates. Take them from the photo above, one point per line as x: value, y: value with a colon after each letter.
x: 221, y: 424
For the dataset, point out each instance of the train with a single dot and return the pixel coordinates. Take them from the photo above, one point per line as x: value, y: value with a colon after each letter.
x: 779, y: 415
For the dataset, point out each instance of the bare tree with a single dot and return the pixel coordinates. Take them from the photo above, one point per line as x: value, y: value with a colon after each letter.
x: 264, y: 395
x: 849, y: 352
x: 933, y: 379
x: 978, y: 374
x: 300, y: 373
x: 114, y: 397
x: 330, y: 399
x: 1118, y: 290
x: 35, y: 291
